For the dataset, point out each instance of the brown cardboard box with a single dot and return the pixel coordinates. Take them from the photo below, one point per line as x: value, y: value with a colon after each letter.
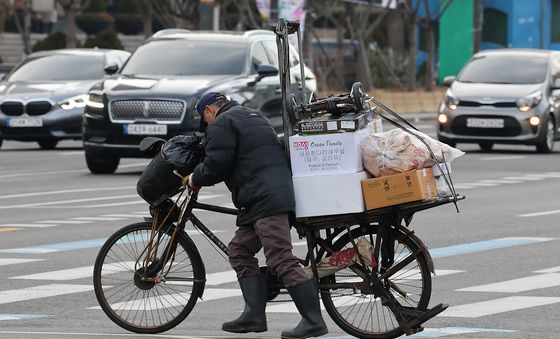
x: 399, y: 188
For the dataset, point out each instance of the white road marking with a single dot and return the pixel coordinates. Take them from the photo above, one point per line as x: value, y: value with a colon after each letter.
x: 524, y: 178
x: 72, y: 153
x: 538, y: 214
x: 12, y: 261
x: 97, y: 218
x: 494, y: 306
x: 74, y: 222
x: 209, y: 294
x: 135, y: 202
x: 50, y: 193
x: 41, y: 174
x: 478, y: 184
x: 513, y: 157
x: 518, y: 285
x: 102, y: 335
x: 44, y: 291
x: 77, y: 273
x: 549, y: 270
x: 501, y: 181
x: 60, y: 202
x: 121, y: 215
x: 546, y: 175
x: 220, y: 278
x: 29, y: 225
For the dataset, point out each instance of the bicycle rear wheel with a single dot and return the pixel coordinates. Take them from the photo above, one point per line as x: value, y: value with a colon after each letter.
x: 146, y: 306
x: 360, y: 312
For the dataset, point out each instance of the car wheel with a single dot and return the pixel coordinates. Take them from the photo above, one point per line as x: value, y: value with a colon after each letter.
x: 101, y: 165
x: 486, y: 146
x: 547, y: 144
x: 48, y: 143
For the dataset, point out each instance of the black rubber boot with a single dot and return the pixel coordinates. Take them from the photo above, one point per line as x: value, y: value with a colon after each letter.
x: 307, y: 302
x: 253, y: 318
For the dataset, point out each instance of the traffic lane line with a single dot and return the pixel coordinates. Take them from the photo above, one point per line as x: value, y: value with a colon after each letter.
x: 102, y: 335
x: 38, y: 292
x: 524, y: 284
x: 51, y: 193
x: 538, y: 214
x: 22, y: 316
x: 494, y: 306
x: 484, y: 245
x: 12, y: 261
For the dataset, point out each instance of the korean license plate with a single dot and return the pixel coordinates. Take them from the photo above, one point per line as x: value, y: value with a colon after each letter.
x: 25, y: 122
x: 145, y: 129
x: 485, y: 123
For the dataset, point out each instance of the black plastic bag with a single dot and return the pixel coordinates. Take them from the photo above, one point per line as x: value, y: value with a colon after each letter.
x: 158, y: 182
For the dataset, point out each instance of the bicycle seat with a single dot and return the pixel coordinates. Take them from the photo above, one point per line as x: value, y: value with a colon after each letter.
x: 151, y: 145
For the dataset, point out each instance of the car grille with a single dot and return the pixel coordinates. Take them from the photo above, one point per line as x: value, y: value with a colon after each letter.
x: 495, y: 104
x: 15, y: 108
x: 511, y: 127
x: 38, y: 107
x: 155, y: 110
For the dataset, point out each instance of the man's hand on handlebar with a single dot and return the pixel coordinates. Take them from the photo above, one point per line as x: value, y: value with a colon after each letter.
x: 189, y: 184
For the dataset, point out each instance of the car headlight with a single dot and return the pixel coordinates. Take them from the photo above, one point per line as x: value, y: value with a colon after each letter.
x: 451, y: 100
x: 530, y: 101
x: 74, y: 102
x: 95, y: 101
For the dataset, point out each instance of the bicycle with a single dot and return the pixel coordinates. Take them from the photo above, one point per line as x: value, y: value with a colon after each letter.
x: 149, y: 275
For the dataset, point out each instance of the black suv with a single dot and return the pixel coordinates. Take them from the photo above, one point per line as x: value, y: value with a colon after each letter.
x: 156, y: 90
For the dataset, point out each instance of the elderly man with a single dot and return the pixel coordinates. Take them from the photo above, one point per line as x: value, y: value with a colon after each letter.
x: 243, y: 150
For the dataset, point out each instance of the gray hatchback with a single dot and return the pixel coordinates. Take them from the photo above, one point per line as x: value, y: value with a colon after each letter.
x: 506, y: 96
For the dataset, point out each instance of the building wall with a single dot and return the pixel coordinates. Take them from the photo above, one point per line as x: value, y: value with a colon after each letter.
x: 455, y: 37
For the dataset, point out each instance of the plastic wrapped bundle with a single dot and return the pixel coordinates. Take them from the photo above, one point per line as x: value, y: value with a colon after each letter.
x: 397, y: 151
x: 158, y: 182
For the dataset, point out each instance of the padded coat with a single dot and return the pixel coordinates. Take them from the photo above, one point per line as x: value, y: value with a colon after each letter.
x: 243, y: 150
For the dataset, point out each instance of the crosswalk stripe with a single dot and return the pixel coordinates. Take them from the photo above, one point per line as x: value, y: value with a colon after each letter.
x: 524, y: 178
x: 77, y: 273
x: 62, y: 202
x: 209, y: 294
x: 69, y: 222
x: 545, y: 175
x: 121, y: 215
x: 549, y: 270
x: 44, y: 291
x: 501, y: 181
x: 488, y: 307
x: 518, y: 285
x: 219, y: 278
x: 29, y: 225
x: 98, y: 218
x: 482, y: 184
x: 12, y: 261
x: 539, y: 214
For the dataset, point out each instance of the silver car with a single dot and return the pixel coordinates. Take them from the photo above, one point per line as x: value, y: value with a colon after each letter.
x: 506, y: 96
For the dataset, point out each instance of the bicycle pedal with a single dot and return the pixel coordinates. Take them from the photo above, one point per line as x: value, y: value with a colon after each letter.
x: 429, y: 314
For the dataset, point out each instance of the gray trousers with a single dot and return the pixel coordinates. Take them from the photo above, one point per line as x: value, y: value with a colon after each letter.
x: 273, y: 235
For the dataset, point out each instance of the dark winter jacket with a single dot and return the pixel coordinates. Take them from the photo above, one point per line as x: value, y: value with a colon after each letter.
x: 243, y: 150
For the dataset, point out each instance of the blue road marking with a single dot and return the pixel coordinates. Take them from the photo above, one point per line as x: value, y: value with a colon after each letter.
x: 442, y: 332
x: 21, y: 316
x: 480, y: 246
x: 67, y: 246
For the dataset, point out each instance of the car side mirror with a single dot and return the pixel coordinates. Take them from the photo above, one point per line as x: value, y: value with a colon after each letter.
x: 556, y: 83
x: 111, y: 69
x: 264, y: 71
x: 448, y: 80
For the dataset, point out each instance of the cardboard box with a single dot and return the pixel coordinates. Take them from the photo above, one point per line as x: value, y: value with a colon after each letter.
x: 399, y: 188
x: 327, y: 124
x: 324, y: 154
x: 329, y: 194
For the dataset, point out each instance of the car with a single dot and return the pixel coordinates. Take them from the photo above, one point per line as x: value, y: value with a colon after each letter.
x: 155, y: 92
x: 504, y: 96
x: 43, y: 98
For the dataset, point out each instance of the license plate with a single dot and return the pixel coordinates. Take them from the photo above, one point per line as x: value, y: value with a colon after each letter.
x: 25, y: 122
x: 485, y: 123
x: 137, y: 129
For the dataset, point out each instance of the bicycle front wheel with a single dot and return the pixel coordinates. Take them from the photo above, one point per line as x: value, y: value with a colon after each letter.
x: 360, y: 312
x: 151, y: 305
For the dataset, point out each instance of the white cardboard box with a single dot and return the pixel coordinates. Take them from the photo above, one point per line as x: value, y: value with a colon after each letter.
x: 329, y: 194
x: 324, y: 154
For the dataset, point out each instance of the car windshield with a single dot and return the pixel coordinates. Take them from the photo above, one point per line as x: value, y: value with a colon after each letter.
x: 505, y: 69
x: 60, y: 67
x: 185, y: 57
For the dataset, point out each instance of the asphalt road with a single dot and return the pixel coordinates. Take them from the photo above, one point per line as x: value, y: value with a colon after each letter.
x: 498, y: 260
